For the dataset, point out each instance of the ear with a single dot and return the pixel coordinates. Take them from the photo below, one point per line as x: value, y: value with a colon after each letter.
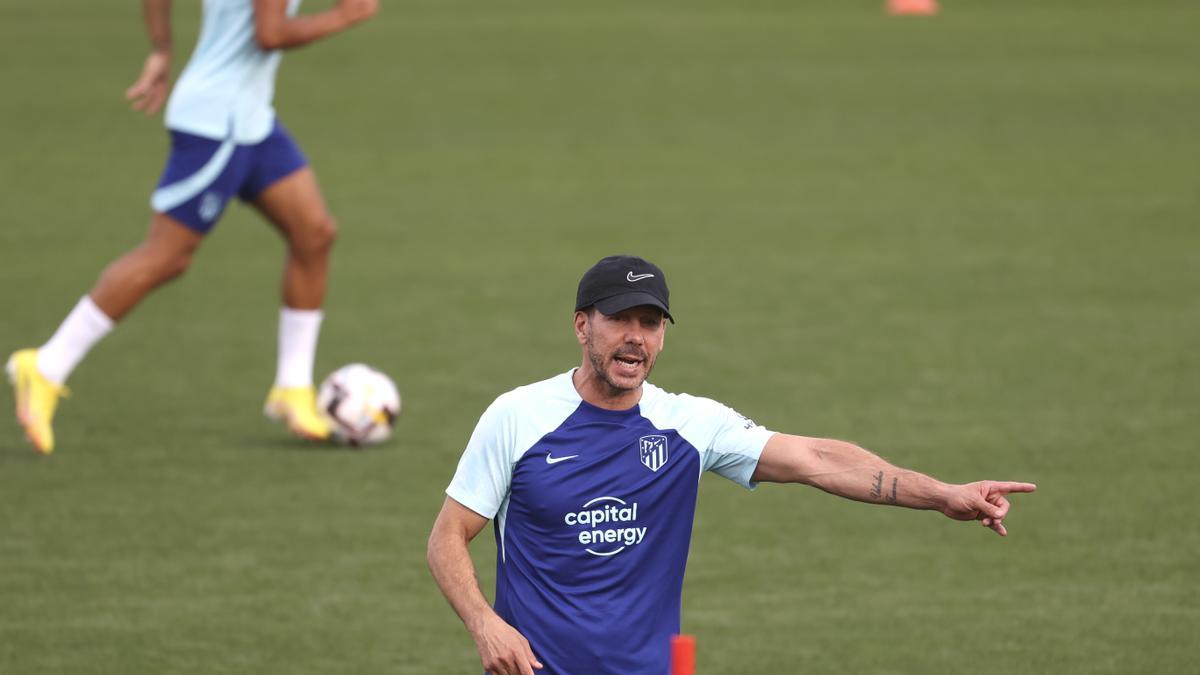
x: 581, y: 327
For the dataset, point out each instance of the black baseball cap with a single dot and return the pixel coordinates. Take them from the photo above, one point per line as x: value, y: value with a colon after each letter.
x: 619, y: 282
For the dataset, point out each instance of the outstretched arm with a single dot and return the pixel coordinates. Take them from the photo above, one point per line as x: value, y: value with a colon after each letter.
x: 846, y: 470
x: 274, y: 29
x: 502, y: 650
x: 150, y: 90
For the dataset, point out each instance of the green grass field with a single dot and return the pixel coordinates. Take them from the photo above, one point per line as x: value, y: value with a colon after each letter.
x: 970, y: 243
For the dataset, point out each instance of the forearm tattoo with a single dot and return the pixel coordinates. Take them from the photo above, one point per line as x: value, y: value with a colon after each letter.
x: 877, y: 489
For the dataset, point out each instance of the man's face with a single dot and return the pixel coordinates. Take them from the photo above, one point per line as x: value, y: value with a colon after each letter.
x: 622, y: 348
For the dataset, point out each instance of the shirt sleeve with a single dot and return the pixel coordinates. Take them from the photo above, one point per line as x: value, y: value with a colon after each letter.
x: 737, y: 443
x: 484, y: 472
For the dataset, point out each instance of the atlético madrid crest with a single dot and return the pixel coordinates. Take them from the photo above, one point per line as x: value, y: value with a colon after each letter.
x: 653, y: 451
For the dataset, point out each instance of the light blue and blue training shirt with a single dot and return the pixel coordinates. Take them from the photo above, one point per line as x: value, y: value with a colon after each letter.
x: 227, y: 87
x: 593, y: 512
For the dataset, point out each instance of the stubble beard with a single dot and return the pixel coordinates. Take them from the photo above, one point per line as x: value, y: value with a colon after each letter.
x: 600, y: 367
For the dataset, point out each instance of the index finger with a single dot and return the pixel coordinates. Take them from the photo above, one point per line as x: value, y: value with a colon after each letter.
x: 1006, y: 487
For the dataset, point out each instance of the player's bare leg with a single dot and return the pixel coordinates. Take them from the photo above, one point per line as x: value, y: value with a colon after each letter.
x: 164, y: 255
x: 295, y: 207
x: 38, y: 375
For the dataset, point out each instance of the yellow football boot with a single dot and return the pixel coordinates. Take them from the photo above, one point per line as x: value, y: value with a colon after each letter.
x: 297, y: 406
x: 37, y: 398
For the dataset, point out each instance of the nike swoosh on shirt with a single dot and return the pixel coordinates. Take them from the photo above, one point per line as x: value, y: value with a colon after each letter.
x: 637, y: 277
x: 556, y: 460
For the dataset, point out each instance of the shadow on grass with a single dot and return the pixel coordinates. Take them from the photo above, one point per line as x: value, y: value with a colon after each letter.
x: 294, y: 444
x: 22, y: 453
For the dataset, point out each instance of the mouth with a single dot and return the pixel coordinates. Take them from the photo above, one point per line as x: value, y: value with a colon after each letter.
x: 628, y: 364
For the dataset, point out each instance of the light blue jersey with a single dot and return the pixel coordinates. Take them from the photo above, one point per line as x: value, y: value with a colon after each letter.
x: 226, y: 89
x: 593, y: 512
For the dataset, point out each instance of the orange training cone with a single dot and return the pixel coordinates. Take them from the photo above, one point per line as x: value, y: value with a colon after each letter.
x: 683, y: 655
x: 912, y: 7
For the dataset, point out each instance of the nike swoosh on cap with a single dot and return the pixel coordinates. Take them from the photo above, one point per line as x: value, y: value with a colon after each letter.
x: 637, y: 277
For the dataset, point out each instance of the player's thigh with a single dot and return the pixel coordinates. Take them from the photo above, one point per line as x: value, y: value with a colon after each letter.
x: 166, y: 251
x: 295, y: 205
x: 168, y: 237
x: 283, y: 187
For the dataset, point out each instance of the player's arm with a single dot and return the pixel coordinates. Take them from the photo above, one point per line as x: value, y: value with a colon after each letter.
x: 846, y: 470
x: 274, y: 29
x: 502, y: 650
x: 150, y: 90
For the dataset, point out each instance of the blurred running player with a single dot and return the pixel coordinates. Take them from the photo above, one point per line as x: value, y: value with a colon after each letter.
x: 225, y: 142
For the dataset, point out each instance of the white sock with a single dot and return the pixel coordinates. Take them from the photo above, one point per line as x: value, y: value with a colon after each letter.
x: 298, y: 331
x: 82, y: 329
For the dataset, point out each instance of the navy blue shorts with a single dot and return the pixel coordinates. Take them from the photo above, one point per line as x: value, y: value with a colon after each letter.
x: 203, y: 174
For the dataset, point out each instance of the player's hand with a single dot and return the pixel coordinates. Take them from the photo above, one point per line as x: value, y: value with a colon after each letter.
x: 357, y: 11
x: 150, y: 91
x: 983, y: 501
x: 502, y: 649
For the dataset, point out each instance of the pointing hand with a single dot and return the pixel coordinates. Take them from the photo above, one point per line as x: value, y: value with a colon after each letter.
x: 983, y: 501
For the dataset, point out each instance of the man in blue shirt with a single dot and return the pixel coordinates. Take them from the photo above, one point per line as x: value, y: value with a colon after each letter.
x: 591, y: 478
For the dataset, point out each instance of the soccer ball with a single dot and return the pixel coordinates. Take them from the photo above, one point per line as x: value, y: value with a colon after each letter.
x: 360, y: 403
